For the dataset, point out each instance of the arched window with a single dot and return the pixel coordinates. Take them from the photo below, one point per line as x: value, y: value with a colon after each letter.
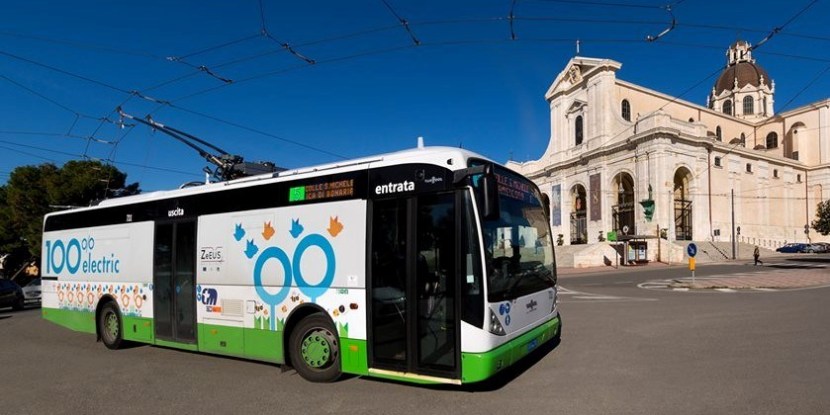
x: 743, y: 140
x: 626, y: 110
x: 749, y: 105
x: 578, y: 130
x: 765, y: 106
x: 727, y: 107
x: 691, y: 119
x: 719, y: 133
x: 772, y: 140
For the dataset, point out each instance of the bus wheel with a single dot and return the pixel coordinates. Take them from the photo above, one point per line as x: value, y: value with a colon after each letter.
x: 109, y: 326
x: 315, y: 349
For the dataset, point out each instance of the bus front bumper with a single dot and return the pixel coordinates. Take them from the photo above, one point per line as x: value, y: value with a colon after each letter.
x: 476, y: 367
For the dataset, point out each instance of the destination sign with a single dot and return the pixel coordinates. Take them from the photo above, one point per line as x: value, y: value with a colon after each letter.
x: 515, y: 189
x: 319, y: 191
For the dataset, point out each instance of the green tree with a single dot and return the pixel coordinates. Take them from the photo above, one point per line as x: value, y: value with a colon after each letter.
x: 33, y: 191
x: 822, y: 222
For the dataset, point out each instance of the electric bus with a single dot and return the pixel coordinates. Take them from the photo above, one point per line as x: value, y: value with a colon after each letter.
x: 429, y: 265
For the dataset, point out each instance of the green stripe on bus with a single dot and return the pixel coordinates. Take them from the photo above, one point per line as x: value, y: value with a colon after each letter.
x: 83, y: 321
x: 138, y: 329
x: 353, y: 356
x: 256, y: 344
x: 476, y: 367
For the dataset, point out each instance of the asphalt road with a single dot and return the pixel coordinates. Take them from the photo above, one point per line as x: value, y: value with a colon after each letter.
x: 624, y: 350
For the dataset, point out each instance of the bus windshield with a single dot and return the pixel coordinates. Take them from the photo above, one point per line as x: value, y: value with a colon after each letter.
x: 518, y: 247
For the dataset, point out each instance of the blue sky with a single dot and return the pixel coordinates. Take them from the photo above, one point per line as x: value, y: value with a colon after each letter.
x: 65, y: 65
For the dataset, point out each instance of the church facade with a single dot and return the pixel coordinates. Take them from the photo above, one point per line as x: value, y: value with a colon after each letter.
x: 626, y: 159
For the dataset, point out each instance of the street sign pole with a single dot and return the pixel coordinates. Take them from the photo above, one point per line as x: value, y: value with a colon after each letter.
x: 692, y: 267
x: 691, y: 249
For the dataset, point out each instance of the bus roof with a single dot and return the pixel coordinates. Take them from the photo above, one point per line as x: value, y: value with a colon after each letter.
x: 450, y: 157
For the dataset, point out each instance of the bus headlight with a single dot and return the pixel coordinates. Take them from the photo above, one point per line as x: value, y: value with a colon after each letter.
x: 554, y: 295
x: 495, y: 326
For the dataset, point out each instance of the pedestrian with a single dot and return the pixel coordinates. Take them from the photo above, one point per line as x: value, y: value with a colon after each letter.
x: 757, y: 255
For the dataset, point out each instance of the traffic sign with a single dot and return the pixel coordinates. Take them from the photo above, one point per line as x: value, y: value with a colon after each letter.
x: 691, y: 250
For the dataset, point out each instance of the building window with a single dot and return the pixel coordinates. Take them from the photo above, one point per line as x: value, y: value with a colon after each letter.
x: 798, y: 178
x: 775, y: 173
x: 749, y: 106
x: 578, y: 130
x: 719, y: 133
x: 727, y: 107
x: 626, y: 110
x: 765, y: 106
x: 691, y: 119
x: 748, y: 167
x: 743, y: 140
x: 772, y: 140
x: 717, y: 162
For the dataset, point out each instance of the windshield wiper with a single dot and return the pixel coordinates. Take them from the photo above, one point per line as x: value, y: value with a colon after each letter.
x: 508, y: 293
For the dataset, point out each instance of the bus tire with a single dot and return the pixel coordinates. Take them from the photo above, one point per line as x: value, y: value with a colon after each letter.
x: 110, y: 326
x: 314, y: 349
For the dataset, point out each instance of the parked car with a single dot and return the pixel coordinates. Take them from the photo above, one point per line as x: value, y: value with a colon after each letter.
x: 31, y: 292
x: 792, y: 248
x: 11, y: 295
x: 818, y: 248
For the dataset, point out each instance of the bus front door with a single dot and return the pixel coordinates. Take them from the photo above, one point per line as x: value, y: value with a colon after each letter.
x: 174, y: 292
x: 414, y: 321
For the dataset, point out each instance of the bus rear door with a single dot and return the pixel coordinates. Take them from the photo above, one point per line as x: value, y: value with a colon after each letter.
x: 174, y: 292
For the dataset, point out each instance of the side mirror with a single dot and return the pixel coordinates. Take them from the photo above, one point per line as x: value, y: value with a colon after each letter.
x: 485, y: 181
x: 490, y: 188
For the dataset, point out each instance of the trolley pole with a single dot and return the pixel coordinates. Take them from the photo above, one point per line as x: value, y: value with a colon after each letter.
x: 734, y: 241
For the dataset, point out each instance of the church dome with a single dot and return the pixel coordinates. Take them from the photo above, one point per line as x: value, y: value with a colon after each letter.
x: 741, y: 67
x: 748, y: 73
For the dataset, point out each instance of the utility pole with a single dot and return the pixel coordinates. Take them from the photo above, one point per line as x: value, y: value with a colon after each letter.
x: 734, y: 241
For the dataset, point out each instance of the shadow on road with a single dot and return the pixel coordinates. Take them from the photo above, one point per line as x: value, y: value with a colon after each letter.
x: 511, y: 373
x: 127, y: 345
x: 813, y: 259
x: 495, y: 383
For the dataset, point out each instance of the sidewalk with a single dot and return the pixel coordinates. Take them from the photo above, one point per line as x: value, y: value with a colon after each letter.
x: 772, y: 275
x: 572, y: 272
x: 781, y: 278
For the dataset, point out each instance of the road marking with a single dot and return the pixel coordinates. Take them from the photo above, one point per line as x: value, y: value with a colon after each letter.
x: 593, y: 297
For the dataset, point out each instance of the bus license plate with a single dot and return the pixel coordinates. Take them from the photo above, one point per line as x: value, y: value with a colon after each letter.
x: 532, y: 345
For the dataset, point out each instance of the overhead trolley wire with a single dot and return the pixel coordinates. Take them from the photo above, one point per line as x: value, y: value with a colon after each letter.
x: 352, y: 56
x: 404, y: 23
x: 76, y: 156
x: 64, y: 72
x: 82, y: 45
x: 806, y: 87
x: 213, y: 48
x: 602, y: 3
x: 257, y: 131
x: 290, y: 49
